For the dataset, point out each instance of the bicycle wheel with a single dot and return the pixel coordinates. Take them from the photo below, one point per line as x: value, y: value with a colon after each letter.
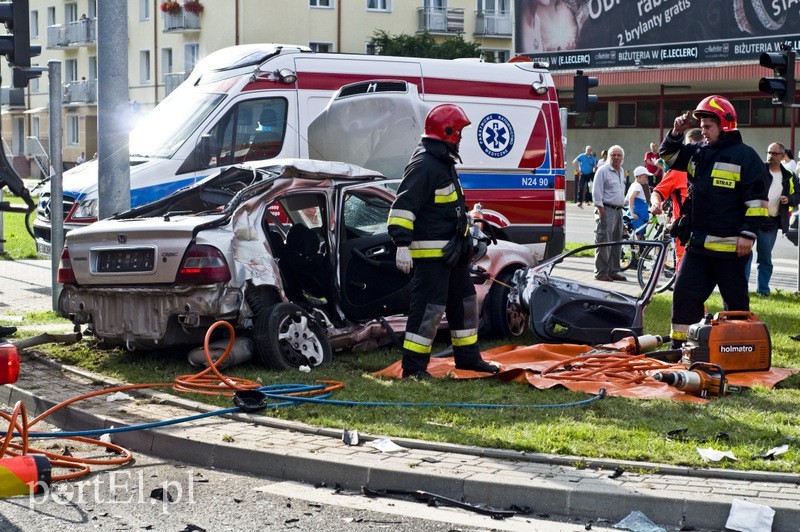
x: 628, y: 257
x: 668, y: 272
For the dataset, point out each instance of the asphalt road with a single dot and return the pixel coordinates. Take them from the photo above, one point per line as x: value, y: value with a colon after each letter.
x: 211, y: 499
x: 580, y: 228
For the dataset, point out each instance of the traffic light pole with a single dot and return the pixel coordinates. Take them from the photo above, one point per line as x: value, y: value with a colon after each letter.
x: 113, y: 108
x: 56, y: 185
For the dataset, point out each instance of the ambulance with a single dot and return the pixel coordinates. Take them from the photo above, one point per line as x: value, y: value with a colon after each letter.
x: 266, y: 101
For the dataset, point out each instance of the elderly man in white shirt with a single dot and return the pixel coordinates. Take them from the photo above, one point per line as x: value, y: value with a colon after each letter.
x: 609, y: 199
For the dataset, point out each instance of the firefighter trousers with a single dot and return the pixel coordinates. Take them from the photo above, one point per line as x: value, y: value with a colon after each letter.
x: 436, y: 289
x: 697, y: 277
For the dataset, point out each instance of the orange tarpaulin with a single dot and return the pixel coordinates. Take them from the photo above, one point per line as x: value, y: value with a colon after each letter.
x: 587, y: 369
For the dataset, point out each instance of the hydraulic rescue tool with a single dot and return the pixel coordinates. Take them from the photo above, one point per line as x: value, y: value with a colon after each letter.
x: 734, y: 340
x: 701, y: 379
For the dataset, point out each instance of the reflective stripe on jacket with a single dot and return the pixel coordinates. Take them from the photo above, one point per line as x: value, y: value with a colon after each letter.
x: 429, y: 202
x: 727, y: 182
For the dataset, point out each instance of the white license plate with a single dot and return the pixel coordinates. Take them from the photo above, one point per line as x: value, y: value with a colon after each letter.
x: 43, y: 248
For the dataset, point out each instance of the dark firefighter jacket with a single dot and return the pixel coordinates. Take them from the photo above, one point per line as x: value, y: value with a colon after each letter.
x: 727, y: 183
x: 430, y: 206
x: 789, y: 188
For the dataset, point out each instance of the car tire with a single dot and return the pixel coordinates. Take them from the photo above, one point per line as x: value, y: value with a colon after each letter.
x: 507, y: 320
x: 286, y: 337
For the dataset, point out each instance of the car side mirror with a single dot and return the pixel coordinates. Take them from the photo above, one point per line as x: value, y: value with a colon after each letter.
x: 206, y: 152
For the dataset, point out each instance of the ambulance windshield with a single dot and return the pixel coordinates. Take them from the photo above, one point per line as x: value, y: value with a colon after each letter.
x: 166, y: 128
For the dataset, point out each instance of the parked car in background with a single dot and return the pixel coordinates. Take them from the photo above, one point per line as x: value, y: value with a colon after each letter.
x: 294, y: 253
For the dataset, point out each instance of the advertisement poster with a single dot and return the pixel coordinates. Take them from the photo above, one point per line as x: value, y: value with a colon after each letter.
x: 577, y: 34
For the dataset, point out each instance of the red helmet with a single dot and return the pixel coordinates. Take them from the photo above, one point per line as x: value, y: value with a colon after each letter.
x: 445, y: 122
x: 721, y: 108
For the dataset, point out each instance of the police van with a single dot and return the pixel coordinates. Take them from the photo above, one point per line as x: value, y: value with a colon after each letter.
x: 264, y: 101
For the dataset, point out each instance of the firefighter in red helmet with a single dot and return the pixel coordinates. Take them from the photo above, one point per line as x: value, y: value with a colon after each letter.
x: 428, y: 223
x: 726, y: 206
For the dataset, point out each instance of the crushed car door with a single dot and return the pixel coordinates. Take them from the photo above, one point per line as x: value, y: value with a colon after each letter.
x: 371, y: 284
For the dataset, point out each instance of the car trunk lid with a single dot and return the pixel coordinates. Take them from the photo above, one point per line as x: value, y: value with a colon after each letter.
x: 136, y: 251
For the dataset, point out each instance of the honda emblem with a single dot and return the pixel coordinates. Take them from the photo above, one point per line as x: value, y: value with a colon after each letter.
x: 122, y: 238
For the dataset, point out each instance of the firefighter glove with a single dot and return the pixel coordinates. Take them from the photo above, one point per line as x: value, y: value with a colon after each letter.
x: 403, y: 259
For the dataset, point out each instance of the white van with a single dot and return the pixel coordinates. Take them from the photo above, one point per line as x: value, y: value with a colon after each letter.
x: 265, y: 101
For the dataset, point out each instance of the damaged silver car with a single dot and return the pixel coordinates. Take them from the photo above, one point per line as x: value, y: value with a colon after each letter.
x: 293, y: 253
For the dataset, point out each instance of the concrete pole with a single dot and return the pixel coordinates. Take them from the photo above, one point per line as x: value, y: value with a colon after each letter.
x: 114, y: 177
x: 56, y: 185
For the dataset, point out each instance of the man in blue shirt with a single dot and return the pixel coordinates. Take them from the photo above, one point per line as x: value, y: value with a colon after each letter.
x: 584, y: 163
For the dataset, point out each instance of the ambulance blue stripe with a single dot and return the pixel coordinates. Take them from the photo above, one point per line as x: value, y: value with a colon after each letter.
x: 140, y: 196
x: 537, y: 181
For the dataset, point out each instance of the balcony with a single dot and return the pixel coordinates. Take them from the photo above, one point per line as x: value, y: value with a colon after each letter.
x: 440, y: 20
x: 493, y: 23
x: 74, y: 34
x: 171, y: 81
x: 181, y: 22
x: 79, y: 92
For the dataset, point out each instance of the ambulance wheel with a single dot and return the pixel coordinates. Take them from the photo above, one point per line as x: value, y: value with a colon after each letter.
x: 507, y: 319
x: 286, y: 337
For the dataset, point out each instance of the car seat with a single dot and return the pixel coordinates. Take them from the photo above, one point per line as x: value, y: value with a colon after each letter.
x: 307, y: 269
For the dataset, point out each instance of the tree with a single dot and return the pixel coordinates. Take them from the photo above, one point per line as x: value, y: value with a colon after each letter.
x: 423, y: 45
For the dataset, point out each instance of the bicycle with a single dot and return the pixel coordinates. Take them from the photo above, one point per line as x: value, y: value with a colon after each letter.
x: 647, y: 260
x: 652, y: 230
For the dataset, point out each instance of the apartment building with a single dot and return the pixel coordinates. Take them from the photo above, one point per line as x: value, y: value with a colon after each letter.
x: 166, y: 39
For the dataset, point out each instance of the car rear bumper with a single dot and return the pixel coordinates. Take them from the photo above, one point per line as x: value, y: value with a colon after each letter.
x: 152, y: 316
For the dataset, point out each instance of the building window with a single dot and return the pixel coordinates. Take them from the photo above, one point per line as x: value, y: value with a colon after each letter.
x: 92, y: 8
x: 92, y: 67
x: 191, y: 55
x: 35, y: 127
x: 144, y: 66
x: 73, y: 130
x: 764, y: 113
x: 166, y: 62
x: 34, y: 24
x: 144, y: 9
x: 495, y: 56
x: 492, y: 6
x: 596, y: 117
x: 379, y: 5
x: 626, y: 114
x: 70, y: 13
x: 34, y: 83
x: 742, y: 111
x: 321, y: 47
x: 647, y: 114
x: 370, y: 48
x: 51, y: 16
x: 70, y: 70
x: 320, y: 3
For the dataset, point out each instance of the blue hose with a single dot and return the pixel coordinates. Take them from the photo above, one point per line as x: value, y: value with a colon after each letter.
x: 278, y: 391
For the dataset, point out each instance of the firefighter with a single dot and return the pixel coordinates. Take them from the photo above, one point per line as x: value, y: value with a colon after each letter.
x: 728, y: 204
x: 429, y: 225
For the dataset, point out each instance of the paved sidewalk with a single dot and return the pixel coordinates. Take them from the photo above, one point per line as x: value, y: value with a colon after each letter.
x: 258, y: 444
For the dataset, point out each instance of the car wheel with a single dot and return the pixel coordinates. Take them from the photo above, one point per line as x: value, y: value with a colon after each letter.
x: 507, y: 320
x: 287, y: 338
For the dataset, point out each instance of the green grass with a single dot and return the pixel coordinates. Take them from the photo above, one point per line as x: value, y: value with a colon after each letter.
x: 575, y: 245
x: 19, y: 244
x: 748, y: 424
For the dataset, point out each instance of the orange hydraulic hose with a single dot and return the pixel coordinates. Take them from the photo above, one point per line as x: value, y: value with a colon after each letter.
x: 203, y: 383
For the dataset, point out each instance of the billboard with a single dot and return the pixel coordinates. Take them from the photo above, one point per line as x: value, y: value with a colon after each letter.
x: 572, y: 34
